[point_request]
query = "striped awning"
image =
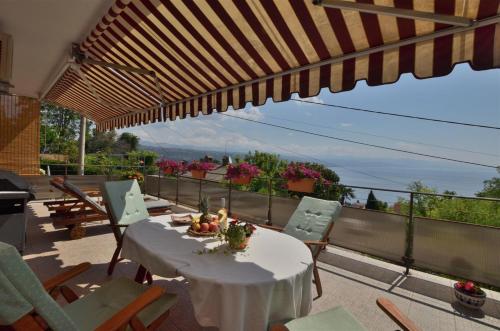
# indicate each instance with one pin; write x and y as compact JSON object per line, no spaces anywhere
{"x":155,"y":60}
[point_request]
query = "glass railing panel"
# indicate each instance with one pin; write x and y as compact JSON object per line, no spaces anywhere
{"x":465,"y":250}
{"x":372,"y":232}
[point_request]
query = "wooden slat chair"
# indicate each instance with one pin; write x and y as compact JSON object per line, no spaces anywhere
{"x":26,"y":304}
{"x":312,"y":223}
{"x":89,"y":210}
{"x":340,"y":319}
{"x":125,"y":206}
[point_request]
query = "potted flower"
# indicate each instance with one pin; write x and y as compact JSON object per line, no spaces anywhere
{"x":300,"y":178}
{"x":238,"y":234}
{"x":242,"y":173}
{"x":469,"y":294}
{"x":199,"y":169}
{"x":133,"y":174}
{"x":170,"y":167}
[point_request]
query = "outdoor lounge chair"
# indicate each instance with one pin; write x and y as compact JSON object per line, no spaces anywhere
{"x":312,"y":223}
{"x":125,"y":206}
{"x":27,"y":304}
{"x":84,"y":208}
{"x":340,"y":319}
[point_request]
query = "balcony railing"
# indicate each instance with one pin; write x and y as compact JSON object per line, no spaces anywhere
{"x":460,"y":249}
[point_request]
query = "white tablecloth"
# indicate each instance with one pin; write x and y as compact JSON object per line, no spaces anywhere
{"x":270,"y":281}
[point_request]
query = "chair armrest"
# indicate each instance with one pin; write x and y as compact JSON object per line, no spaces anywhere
{"x":271,"y":227}
{"x":278,"y":327}
{"x":54,"y":282}
{"x":396,"y":315}
{"x":118,"y":225}
{"x":124,"y":316}
{"x":315,"y":243}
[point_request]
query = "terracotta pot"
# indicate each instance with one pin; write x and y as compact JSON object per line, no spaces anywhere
{"x":470,"y":300}
{"x":305,"y":185}
{"x":168,"y":170}
{"x":198,"y":174}
{"x":243,"y":180}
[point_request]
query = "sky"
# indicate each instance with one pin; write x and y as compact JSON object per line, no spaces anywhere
{"x":464,"y":95}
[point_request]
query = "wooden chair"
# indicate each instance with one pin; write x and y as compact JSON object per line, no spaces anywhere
{"x":340,"y":319}
{"x":312,"y":223}
{"x":26,"y":304}
{"x":125,"y":206}
{"x":83,"y":208}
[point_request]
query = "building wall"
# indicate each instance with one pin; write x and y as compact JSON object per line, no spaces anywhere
{"x":20,"y":134}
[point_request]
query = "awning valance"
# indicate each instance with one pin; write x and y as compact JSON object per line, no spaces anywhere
{"x":170,"y":59}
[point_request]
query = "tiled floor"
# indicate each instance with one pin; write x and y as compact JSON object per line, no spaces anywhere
{"x":349,"y":279}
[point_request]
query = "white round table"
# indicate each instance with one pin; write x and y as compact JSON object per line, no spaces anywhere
{"x":269,"y":281}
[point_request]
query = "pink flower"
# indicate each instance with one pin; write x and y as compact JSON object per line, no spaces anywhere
{"x":205,"y":166}
{"x":296,"y":171}
{"x":242,"y":169}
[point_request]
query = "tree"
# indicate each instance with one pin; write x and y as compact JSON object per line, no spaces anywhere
{"x":491,"y":188}
{"x":371,"y":202}
{"x":98,"y":142}
{"x":423,"y":204}
{"x":374,"y":204}
{"x":59,"y":130}
{"x":270,"y":164}
{"x":127,"y":142}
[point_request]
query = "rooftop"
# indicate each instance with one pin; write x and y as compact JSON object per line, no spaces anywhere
{"x":349,"y":279}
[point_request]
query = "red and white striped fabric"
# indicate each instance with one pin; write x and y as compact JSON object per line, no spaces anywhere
{"x":209,"y":55}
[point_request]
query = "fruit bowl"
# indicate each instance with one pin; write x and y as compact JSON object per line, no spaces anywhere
{"x":201,"y":234}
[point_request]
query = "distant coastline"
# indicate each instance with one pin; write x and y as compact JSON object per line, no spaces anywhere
{"x":379,"y":173}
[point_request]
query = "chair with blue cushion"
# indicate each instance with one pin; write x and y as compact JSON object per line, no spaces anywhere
{"x":340,"y":319}
{"x":124,"y":205}
{"x":312,"y":223}
{"x":27,"y":304}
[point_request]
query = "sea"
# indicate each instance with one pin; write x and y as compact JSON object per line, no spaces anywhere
{"x":376,"y":173}
{"x":385,"y":174}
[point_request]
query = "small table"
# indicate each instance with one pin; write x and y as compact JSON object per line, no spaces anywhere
{"x":269,"y":281}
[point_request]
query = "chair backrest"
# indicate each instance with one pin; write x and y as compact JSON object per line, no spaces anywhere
{"x":84,"y":197}
{"x":21,"y":292}
{"x":124,"y":202}
{"x":313,"y":219}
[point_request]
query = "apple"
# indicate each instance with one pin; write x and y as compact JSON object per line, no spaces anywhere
{"x":204,"y":227}
{"x":213,"y":227}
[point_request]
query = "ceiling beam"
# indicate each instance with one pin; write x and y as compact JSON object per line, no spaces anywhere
{"x":398,"y":12}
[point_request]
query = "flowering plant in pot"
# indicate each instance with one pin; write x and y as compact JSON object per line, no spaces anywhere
{"x":242,"y":173}
{"x":199,"y":169}
{"x":170,"y":167}
{"x":469,"y":294}
{"x":300,"y":178}
{"x":238,"y":234}
{"x":133,"y":174}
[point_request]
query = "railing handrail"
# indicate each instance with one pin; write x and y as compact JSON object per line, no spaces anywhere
{"x":274,"y":178}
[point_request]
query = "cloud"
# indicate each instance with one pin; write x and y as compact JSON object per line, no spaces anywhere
{"x":252,"y":113}
{"x":315,"y":99}
{"x":345,"y":125}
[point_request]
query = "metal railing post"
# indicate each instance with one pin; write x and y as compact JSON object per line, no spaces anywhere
{"x":177,"y":190}
{"x":408,"y":257}
{"x":145,"y":175}
{"x":270,"y":202}
{"x":199,"y":197}
{"x":230,"y":189}
{"x":159,"y":181}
